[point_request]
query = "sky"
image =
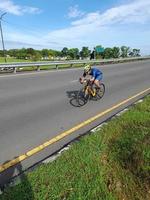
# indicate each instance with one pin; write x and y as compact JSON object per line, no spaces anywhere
{"x":55,"y":24}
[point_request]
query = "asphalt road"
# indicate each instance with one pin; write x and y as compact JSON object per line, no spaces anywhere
{"x":36,"y":107}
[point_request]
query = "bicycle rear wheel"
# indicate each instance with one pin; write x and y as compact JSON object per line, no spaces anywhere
{"x":82,"y":98}
{"x":100,"y":91}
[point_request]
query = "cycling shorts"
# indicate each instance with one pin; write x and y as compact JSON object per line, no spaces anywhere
{"x":99,"y":77}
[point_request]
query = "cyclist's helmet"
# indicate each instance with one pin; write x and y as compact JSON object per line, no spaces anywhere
{"x":87,"y":68}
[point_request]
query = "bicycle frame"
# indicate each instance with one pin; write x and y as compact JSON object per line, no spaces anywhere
{"x":87,"y":91}
{"x":88,"y":88}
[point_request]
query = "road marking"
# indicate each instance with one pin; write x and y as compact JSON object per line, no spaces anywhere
{"x":37,"y":73}
{"x":74,"y":81}
{"x":66,"y":133}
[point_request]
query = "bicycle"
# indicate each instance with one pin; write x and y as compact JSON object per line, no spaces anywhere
{"x":88,"y":91}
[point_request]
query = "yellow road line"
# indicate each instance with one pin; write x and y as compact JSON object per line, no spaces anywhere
{"x":66,"y":133}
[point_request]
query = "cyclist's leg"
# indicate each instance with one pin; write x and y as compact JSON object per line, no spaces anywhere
{"x":101,"y":90}
{"x":97,"y":81}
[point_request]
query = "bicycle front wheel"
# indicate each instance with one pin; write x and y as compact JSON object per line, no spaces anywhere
{"x":82,"y":98}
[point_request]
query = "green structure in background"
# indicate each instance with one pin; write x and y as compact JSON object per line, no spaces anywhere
{"x":99,"y":49}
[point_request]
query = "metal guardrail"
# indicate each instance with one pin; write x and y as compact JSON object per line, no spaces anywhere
{"x":15,"y":65}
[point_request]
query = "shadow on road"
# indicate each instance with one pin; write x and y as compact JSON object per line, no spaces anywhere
{"x":80,"y":101}
{"x":72,"y":95}
{"x":8,"y":178}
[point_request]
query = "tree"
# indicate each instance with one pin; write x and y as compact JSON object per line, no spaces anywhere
{"x":51,"y":53}
{"x":85,"y":52}
{"x":108,"y":53}
{"x":45,"y":53}
{"x":116,"y":52}
{"x":30,"y":53}
{"x":37,"y":56}
{"x":136,"y":52}
{"x":12,"y":52}
{"x":22,"y":53}
{"x":19,"y":53}
{"x":73,"y":53}
{"x":131,"y":54}
{"x":1,"y":53}
{"x":57,"y":53}
{"x":125,"y":51}
{"x":64,"y":52}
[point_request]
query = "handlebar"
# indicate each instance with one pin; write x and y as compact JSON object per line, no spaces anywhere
{"x":87,"y":81}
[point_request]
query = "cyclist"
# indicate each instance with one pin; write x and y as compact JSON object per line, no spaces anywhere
{"x":96,"y":75}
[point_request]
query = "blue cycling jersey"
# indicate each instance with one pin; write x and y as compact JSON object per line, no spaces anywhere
{"x":94,"y":73}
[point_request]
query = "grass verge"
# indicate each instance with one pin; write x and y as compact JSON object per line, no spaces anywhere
{"x":112,"y":163}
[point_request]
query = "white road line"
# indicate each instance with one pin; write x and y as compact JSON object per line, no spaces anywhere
{"x":74,"y":81}
{"x":36,"y":73}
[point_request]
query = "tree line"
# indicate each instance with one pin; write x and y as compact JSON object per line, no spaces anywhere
{"x":72,"y":53}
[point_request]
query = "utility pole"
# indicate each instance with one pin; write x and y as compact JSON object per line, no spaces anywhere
{"x":2,"y":35}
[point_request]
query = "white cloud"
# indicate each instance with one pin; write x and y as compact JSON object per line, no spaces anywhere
{"x":95,"y":26}
{"x":136,"y":12}
{"x":75,"y":12}
{"x":16,"y":39}
{"x":10,"y":7}
{"x":100,"y":28}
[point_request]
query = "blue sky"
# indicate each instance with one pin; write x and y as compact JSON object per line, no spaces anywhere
{"x":76,"y":23}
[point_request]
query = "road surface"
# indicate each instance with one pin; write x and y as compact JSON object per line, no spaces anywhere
{"x":35,"y":107}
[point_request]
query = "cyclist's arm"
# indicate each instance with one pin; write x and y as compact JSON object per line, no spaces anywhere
{"x":81,"y":79}
{"x":93,"y":77}
{"x":84,"y":74}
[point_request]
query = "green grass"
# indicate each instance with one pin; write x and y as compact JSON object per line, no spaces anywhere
{"x":2,"y":60}
{"x":34,"y":68}
{"x":48,"y":67}
{"x":110,"y":164}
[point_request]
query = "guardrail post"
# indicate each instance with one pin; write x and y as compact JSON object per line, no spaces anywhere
{"x":38,"y":68}
{"x":15,"y":70}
